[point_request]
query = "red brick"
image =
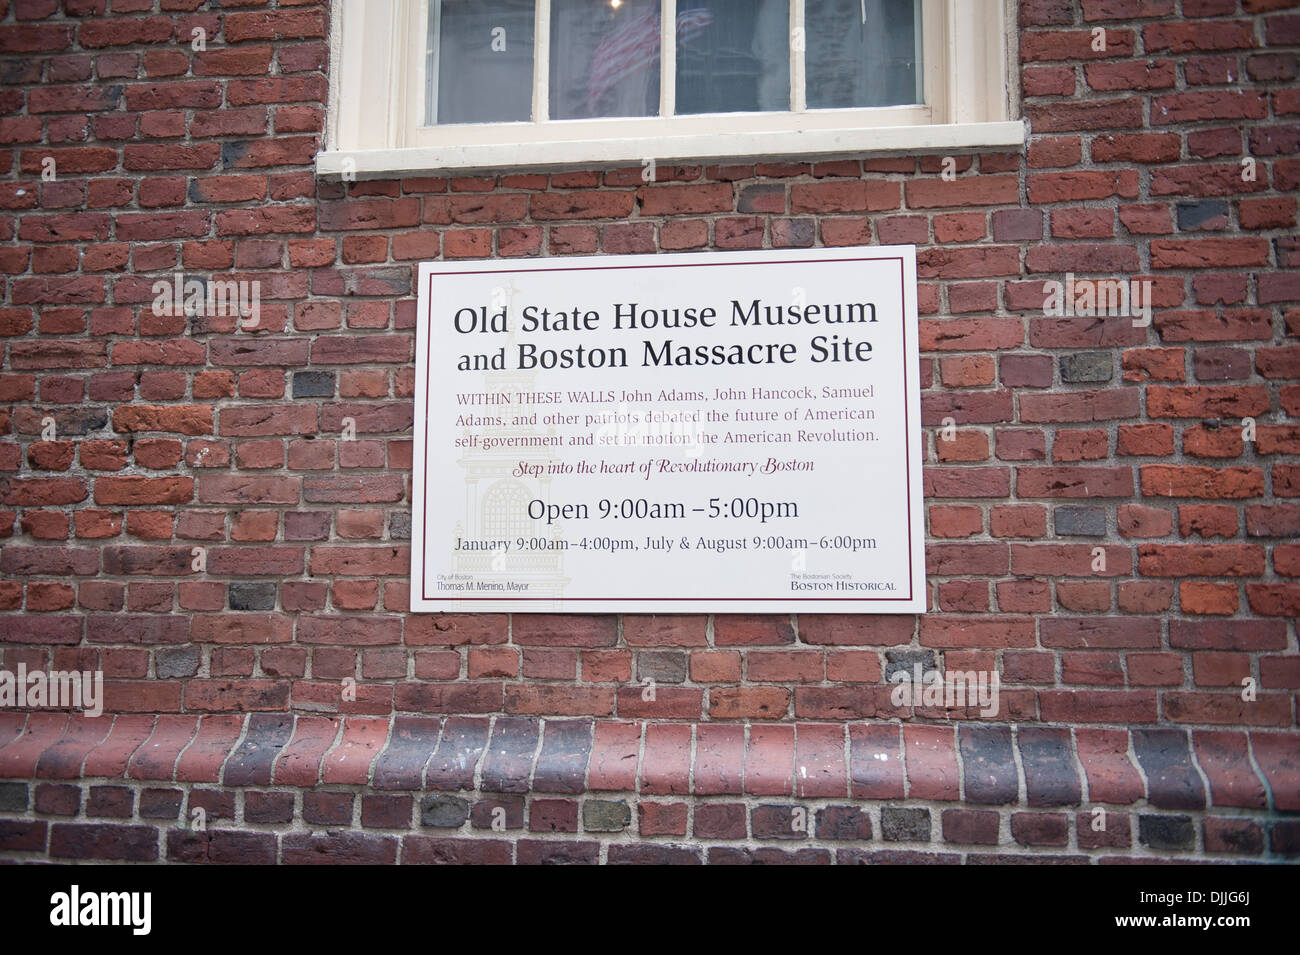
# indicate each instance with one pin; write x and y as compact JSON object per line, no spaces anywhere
{"x":931,"y":756}
{"x":613,"y":761}
{"x":1155,"y":669}
{"x":1112,"y":777}
{"x":769,"y":761}
{"x":666,"y":765}
{"x":1201,"y":482}
{"x":662,"y":819}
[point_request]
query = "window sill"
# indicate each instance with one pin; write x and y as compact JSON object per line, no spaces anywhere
{"x":687,"y":148}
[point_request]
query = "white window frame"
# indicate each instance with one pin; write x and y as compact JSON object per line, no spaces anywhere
{"x":378,"y":85}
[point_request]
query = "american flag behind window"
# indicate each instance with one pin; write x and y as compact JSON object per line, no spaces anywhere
{"x":633,"y":48}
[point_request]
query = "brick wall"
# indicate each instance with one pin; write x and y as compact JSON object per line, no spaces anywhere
{"x":1122,"y":681}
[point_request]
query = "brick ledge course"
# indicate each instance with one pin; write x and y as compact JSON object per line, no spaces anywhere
{"x":328,"y":789}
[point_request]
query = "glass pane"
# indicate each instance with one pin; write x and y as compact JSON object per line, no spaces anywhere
{"x":733,"y":56}
{"x":863,"y":53}
{"x":604,"y":58}
{"x":481,"y":61}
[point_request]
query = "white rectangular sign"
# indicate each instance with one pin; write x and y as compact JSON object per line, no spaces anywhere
{"x":730,"y":432}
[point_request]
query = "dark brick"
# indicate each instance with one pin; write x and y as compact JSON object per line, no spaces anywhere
{"x":251,"y":763}
{"x":459,"y":750}
{"x":249,"y":595}
{"x":989,"y":765}
{"x":177,"y":662}
{"x":313,"y":384}
{"x":562,"y":763}
{"x":509,"y":759}
{"x":843,"y":822}
{"x":905,"y":661}
{"x":1166,"y":758}
{"x":401,"y":764}
{"x":1088,"y":366}
{"x":606,"y":815}
{"x":1202,"y":214}
{"x":904,"y":825}
{"x":662,"y":666}
{"x":13,"y":797}
{"x":1051,"y":778}
{"x":443,"y":811}
{"x":1072,"y":521}
{"x":1284,"y":837}
{"x":1166,"y":832}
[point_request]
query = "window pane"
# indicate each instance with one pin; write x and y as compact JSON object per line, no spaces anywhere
{"x":481,"y":55}
{"x":733,"y":56}
{"x":862,"y":53}
{"x":604,"y":58}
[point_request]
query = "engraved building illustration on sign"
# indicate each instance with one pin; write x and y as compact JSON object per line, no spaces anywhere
{"x":496,"y":501}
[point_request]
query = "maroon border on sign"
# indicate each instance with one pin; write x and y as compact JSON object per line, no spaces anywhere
{"x":907,"y":444}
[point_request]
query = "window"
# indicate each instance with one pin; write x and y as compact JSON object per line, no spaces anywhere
{"x":505,"y":511}
{"x":490,"y":84}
